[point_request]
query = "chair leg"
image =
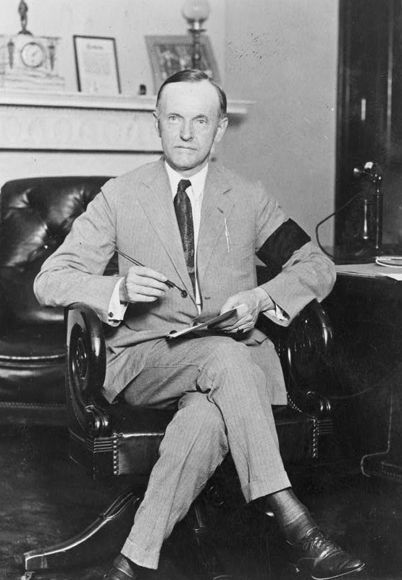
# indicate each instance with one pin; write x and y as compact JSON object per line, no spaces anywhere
{"x":100,"y":540}
{"x":207,"y":553}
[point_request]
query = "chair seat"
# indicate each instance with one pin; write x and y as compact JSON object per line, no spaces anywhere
{"x":138,"y":439}
{"x":133,"y":443}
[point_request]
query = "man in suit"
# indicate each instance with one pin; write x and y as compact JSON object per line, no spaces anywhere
{"x":198,"y":225}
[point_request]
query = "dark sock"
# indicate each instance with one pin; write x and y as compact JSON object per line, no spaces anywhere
{"x":123,"y":563}
{"x":291,"y":514}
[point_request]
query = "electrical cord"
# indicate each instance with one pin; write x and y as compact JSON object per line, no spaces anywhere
{"x":334,"y":213}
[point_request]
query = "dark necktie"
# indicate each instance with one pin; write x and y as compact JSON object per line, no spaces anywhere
{"x":184,"y":215}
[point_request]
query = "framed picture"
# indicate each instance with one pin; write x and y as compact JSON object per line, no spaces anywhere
{"x":97,"y":66}
{"x":169,"y":54}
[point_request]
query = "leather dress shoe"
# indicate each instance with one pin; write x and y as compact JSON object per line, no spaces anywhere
{"x":322,"y":558}
{"x":122,"y":569}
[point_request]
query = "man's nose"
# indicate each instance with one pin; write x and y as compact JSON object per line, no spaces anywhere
{"x":186,"y":132}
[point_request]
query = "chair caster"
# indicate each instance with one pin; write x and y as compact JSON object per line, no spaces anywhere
{"x":28,"y":576}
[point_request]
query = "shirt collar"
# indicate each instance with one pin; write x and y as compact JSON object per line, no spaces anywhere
{"x":197,"y":180}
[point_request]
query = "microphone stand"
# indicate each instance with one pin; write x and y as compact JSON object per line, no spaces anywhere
{"x":378,"y":202}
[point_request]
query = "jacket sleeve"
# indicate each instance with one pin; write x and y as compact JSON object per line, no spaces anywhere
{"x":301,"y":271}
{"x":74,"y":272}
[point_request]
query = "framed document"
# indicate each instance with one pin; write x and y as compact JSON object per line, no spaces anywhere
{"x":169,"y":54}
{"x":97,"y":66}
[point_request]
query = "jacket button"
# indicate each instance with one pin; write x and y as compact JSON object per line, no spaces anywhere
{"x":110,"y":315}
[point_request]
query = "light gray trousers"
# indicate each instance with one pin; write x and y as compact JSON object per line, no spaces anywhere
{"x":223,"y":394}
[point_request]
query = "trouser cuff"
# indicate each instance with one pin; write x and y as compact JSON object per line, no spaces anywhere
{"x":258,"y":488}
{"x":140,"y":556}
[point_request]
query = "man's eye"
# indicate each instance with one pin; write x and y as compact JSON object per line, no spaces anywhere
{"x":202,"y":121}
{"x":173,"y":118}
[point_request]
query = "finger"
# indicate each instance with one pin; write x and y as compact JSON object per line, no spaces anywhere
{"x":146,"y":272}
{"x":238,"y":331}
{"x":230,"y":303}
{"x":142,"y":298}
{"x":233,"y":329}
{"x":244,"y":324}
{"x":139,"y":293}
{"x":134,"y":288}
{"x":231,"y":324}
{"x":146,"y":291}
{"x":233,"y":320}
{"x":242,"y":310}
{"x":145,"y":282}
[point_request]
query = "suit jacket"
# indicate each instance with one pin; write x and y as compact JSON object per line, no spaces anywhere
{"x":135,"y":213}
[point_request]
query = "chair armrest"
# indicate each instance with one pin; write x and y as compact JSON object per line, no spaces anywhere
{"x":304,"y":347}
{"x":308,"y":353}
{"x":86,"y":368}
{"x":305,"y":350}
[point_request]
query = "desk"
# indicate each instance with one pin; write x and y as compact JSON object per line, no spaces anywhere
{"x":365,"y":379}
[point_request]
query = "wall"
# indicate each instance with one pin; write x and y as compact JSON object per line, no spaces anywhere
{"x":284,"y":57}
{"x":280,"y":54}
{"x":126,"y":20}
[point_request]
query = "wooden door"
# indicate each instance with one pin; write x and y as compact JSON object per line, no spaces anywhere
{"x":369,"y":125}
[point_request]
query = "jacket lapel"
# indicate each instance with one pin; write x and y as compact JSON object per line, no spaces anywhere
{"x":157,"y":204}
{"x":216,"y":207}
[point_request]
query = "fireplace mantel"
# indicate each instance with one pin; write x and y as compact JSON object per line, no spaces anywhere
{"x":82,"y":122}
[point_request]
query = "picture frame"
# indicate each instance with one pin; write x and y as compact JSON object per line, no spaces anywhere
{"x":169,"y":54}
{"x":96,"y":65}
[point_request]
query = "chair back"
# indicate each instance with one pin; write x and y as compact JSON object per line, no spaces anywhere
{"x":36,"y":214}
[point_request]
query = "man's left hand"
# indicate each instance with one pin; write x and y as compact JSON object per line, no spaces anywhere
{"x":249,"y":304}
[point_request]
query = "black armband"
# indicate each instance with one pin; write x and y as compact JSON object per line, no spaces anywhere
{"x":280,"y":246}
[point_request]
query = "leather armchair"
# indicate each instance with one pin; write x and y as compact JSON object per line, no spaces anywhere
{"x":35,"y":216}
{"x":115,"y":440}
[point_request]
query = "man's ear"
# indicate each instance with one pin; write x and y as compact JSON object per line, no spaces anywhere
{"x":156,"y":123}
{"x":221,"y":130}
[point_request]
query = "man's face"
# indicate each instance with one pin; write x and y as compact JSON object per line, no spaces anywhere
{"x":188,"y":122}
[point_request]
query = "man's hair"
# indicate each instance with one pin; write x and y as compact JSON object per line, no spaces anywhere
{"x":190,"y":75}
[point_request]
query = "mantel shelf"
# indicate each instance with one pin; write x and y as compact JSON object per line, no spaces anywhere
{"x":87,"y":101}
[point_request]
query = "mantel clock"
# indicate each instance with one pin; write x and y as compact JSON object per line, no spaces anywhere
{"x":28,"y":61}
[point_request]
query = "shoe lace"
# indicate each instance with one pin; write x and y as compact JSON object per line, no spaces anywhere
{"x":318,"y":544}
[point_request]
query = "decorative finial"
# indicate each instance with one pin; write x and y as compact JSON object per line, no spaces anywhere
{"x":23,"y":11}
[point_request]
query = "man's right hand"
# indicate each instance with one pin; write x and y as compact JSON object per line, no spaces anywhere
{"x":142,"y":284}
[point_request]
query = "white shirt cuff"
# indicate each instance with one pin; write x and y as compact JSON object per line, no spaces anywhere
{"x":279,"y":313}
{"x":116,"y":309}
{"x":271,"y":308}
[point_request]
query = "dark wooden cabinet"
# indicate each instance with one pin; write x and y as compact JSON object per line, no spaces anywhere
{"x":364,"y":379}
{"x":369,"y":120}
